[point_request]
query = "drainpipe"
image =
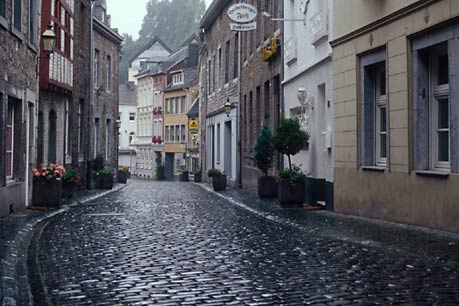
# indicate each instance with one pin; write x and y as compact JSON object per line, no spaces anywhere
{"x":90,"y":96}
{"x":238,"y":113}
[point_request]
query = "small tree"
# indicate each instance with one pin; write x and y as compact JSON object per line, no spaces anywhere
{"x":264,"y":150}
{"x":289,"y":138}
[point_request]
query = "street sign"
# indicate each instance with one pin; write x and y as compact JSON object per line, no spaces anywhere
{"x":193,"y":124}
{"x":242,"y":27}
{"x":242,"y":12}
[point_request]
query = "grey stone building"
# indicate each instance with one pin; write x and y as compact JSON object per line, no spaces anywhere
{"x":227,"y":140}
{"x":106,"y":54}
{"x":19,"y":41}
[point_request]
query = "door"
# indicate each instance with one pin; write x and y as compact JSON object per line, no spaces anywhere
{"x":169,"y":166}
{"x":228,"y":154}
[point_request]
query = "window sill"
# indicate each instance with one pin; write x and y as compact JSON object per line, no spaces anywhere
{"x":3,"y":22}
{"x":433,"y":173}
{"x":374,"y":168}
{"x":17,"y":33}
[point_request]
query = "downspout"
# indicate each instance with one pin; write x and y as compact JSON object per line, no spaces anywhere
{"x":238,"y":113}
{"x":90,"y":96}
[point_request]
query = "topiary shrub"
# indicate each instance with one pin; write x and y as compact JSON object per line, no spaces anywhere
{"x":289,"y":139}
{"x":264,"y":150}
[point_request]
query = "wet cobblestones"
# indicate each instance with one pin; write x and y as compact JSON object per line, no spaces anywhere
{"x":160,"y":243}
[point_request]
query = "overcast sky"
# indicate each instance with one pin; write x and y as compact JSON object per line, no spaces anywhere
{"x":127,"y":15}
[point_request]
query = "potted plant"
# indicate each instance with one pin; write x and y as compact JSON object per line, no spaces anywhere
{"x":104,"y":179}
{"x":123,"y":174}
{"x":198,"y":176}
{"x":160,"y":172}
{"x":47,"y":185}
{"x":289,"y":140}
{"x":70,"y":183}
{"x":184,"y":177}
{"x":264,"y":158}
{"x":218,"y":179}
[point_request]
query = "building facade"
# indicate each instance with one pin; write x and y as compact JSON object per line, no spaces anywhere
{"x":20,"y":44}
{"x":396,"y":98}
{"x":178,"y":97}
{"x":127,"y":119}
{"x":219,"y":84}
{"x":308,"y":90}
{"x":56,"y":85}
{"x":105,"y":98}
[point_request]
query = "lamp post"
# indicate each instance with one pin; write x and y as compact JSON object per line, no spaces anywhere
{"x":48,"y":39}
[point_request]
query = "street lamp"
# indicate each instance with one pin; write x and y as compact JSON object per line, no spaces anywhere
{"x":49,"y":40}
{"x":302,"y":94}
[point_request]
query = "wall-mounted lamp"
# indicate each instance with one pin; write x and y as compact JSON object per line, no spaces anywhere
{"x":228,"y":107}
{"x":307,"y":103}
{"x":268,"y":15}
{"x":49,"y":40}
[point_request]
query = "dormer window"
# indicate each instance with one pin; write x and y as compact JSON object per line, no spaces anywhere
{"x":177,"y":78}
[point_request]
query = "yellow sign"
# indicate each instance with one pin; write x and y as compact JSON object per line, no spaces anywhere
{"x":268,"y":52}
{"x":193,"y":124}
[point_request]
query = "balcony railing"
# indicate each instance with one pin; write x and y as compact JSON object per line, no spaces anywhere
{"x":319,"y":26}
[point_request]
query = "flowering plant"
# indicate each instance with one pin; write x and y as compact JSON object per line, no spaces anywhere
{"x":71,"y":176}
{"x":50,"y":171}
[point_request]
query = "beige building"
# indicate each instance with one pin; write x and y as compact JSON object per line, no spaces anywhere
{"x":396,"y":110}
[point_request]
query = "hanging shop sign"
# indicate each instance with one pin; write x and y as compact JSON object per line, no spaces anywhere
{"x":242,"y":12}
{"x":243,"y":27}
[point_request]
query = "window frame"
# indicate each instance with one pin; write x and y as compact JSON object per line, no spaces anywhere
{"x":9,"y":125}
{"x":132,"y":115}
{"x":380,"y":103}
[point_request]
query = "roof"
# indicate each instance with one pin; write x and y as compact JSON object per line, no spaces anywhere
{"x":214,"y":10}
{"x":189,"y":75}
{"x":127,"y":94}
{"x":148,"y":45}
{"x":189,"y":40}
{"x":194,"y":109}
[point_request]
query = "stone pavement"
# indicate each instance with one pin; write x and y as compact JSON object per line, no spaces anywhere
{"x":170,"y":243}
{"x":15,"y":233}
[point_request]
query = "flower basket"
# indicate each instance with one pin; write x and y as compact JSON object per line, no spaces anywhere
{"x":184,"y":177}
{"x":122,"y":176}
{"x":291,"y":195}
{"x":104,"y":180}
{"x":46,"y":192}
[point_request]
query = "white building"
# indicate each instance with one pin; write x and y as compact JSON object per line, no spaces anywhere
{"x":308,"y":89}
{"x":155,"y":48}
{"x":128,"y":126}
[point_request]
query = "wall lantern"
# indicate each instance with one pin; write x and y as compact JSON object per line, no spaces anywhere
{"x":228,"y":107}
{"x":302,"y":94}
{"x":49,"y":40}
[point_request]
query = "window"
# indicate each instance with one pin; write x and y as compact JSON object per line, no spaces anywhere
{"x":119,"y":116}
{"x":214,"y":74}
{"x":172,"y":133}
{"x":435,"y":81}
{"x":183,"y":133}
{"x":219,"y":67}
{"x":67,"y":127}
{"x":210,"y":76}
{"x":80,"y":125}
{"x":177,"y":133}
{"x":131,"y":136}
{"x":177,"y":105}
{"x":267,"y":21}
{"x":10,"y":139}
{"x":108,"y":139}
{"x":168,"y":133}
{"x":374,"y":135}
{"x":177,"y":78}
{"x":3,"y":8}
{"x":131,"y":116}
{"x":52,"y":136}
{"x":109,"y":73}
{"x":96,"y":68}
{"x":32,"y":22}
{"x":227,"y":58}
{"x":96,"y":136}
{"x":218,"y":143}
{"x":182,"y":104}
{"x":17,"y":15}
{"x":235,"y":56}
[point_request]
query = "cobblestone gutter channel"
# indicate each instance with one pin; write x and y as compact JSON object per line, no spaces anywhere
{"x":15,"y":284}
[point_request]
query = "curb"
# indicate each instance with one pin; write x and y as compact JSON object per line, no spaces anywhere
{"x":14,"y":281}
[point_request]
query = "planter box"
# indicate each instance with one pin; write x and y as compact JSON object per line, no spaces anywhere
{"x":219,"y":182}
{"x":104,"y":181}
{"x":183,"y":177}
{"x":122,"y":177}
{"x":291,"y":196}
{"x":46,"y":193}
{"x":267,"y":187}
{"x":198,"y":178}
{"x":68,"y":189}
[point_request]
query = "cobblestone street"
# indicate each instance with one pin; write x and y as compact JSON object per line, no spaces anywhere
{"x":170,"y":243}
